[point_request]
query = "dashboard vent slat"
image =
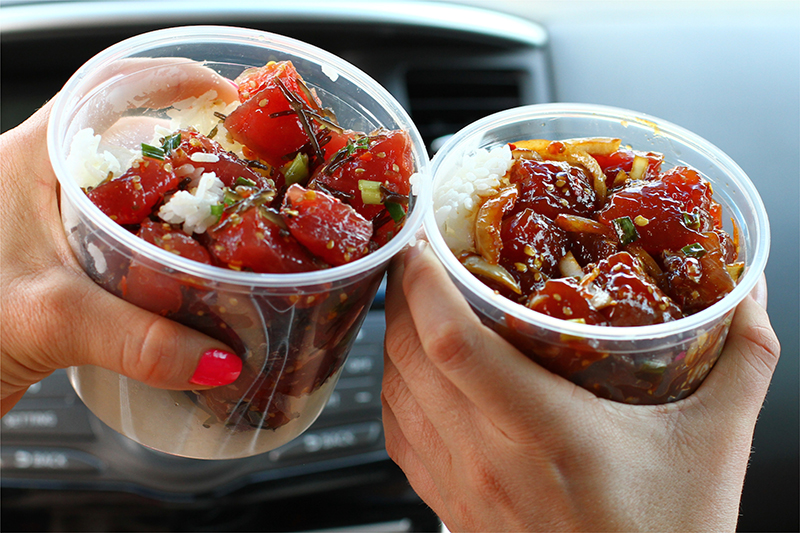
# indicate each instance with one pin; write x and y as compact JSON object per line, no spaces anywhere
{"x":442,"y":101}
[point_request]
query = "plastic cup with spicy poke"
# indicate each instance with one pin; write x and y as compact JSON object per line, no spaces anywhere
{"x":247,"y":185}
{"x":609,"y":246}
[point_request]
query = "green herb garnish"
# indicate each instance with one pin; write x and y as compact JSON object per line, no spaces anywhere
{"x":153,"y":152}
{"x":691,"y":220}
{"x":170,"y":142}
{"x":361,"y":143}
{"x":694,"y":250}
{"x":297,"y":170}
{"x":217,"y":210}
{"x":370,"y":192}
{"x":626,"y":230}
{"x":244,"y":181}
{"x":396,"y":211}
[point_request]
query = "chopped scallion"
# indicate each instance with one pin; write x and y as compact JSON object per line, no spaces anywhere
{"x":691,"y":220}
{"x":244,"y":181}
{"x":694,"y":250}
{"x":297,"y":170}
{"x":626,"y":230}
{"x":396,"y":211}
{"x":217,"y":210}
{"x":152,"y":151}
{"x":370,"y":191}
{"x":170,"y":142}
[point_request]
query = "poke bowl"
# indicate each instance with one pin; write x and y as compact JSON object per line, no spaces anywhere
{"x":609,"y":246}
{"x":247,"y":185}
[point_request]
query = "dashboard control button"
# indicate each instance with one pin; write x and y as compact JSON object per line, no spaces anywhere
{"x":341,"y":439}
{"x":40,"y":460}
{"x":72,"y":422}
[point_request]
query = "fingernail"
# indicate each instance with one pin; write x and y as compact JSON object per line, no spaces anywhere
{"x":217,"y":367}
{"x":416,"y":250}
{"x":233,"y":83}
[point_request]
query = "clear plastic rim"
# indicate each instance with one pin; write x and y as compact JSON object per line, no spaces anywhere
{"x":59,"y":122}
{"x":709,"y":315}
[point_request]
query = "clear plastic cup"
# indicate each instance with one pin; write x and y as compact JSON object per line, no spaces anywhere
{"x":645,"y":364}
{"x":293,"y":331}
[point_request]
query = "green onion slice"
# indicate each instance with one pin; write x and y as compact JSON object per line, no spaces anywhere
{"x":691,"y":220}
{"x":170,"y":142}
{"x":152,"y":151}
{"x":370,"y":192}
{"x":626,"y":230}
{"x":396,"y":211}
{"x":217,"y":210}
{"x":694,"y":250}
{"x":244,"y":181}
{"x":297,"y":170}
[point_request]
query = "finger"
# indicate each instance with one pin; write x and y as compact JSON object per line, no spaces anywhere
{"x":443,"y":405}
{"x":412,"y":421}
{"x":160,"y":82}
{"x":71,"y":321}
{"x":129,"y":132}
{"x":744,"y":370}
{"x":403,"y":454}
{"x":154,"y":83}
{"x":504,"y":384}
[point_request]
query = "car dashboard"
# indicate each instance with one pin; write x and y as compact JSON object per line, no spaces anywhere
{"x":448,"y":64}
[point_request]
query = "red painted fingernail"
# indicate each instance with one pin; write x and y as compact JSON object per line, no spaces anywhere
{"x":217,"y":367}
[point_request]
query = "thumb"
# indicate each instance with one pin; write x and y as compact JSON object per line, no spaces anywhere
{"x":744,"y":370}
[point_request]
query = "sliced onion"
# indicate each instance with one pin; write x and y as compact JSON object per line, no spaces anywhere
{"x":488,"y":223}
{"x":578,"y":224}
{"x":570,"y":267}
{"x":480,"y":267}
{"x":638,"y":167}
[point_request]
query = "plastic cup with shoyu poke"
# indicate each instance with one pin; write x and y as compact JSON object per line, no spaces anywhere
{"x":247,"y":185}
{"x":609,"y":246}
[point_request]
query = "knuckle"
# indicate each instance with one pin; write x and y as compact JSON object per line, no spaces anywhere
{"x":148,"y":352}
{"x":766,"y":349}
{"x":452,"y":344}
{"x":401,"y":341}
{"x":485,"y":479}
{"x":43,"y":306}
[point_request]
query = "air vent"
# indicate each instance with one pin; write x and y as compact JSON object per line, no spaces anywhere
{"x":443,"y":101}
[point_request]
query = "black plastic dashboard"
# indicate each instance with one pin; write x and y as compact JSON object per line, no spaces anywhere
{"x":448,"y":64}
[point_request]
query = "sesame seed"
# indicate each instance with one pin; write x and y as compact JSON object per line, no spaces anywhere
{"x":641,"y":221}
{"x":263,"y":102}
{"x":330,"y":244}
{"x":522,"y":267}
{"x":557,"y":297}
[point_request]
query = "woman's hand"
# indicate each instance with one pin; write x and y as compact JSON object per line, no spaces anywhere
{"x":53,"y":316}
{"x":492,"y":441}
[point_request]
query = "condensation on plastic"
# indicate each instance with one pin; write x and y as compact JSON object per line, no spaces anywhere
{"x":293,"y":331}
{"x":646,"y":364}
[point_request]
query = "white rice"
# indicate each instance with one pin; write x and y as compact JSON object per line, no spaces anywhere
{"x":459,"y":194}
{"x":193,"y":209}
{"x":88,"y":164}
{"x":198,"y":113}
